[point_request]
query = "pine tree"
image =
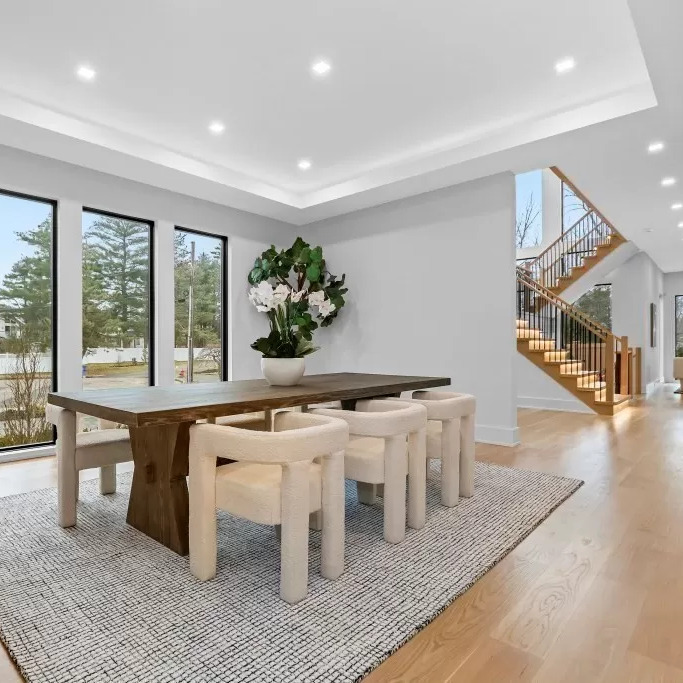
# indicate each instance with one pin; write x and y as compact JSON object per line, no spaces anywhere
{"x":121,"y":251}
{"x":26,"y":292}
{"x":95,"y":313}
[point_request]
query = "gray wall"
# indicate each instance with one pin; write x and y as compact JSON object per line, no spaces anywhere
{"x":432,"y":283}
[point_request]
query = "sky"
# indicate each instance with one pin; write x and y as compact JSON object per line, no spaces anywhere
{"x":17,"y":215}
{"x":526,"y":183}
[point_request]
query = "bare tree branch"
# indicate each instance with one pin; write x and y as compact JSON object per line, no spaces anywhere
{"x":526,"y":222}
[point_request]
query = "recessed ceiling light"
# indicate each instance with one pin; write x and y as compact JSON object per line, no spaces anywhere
{"x":677,"y":206}
{"x":680,"y":225}
{"x":86,"y":73}
{"x":321,"y":67}
{"x":648,"y":229}
{"x":304,"y":164}
{"x":565,"y":65}
{"x":216,"y":127}
{"x":668,"y":182}
{"x":655,"y":147}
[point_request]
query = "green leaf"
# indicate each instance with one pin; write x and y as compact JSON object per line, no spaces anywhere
{"x":255,"y":276}
{"x":313,"y":272}
{"x":317,"y":255}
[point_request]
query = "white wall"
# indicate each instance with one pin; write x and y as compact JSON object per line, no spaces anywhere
{"x":74,"y":187}
{"x":431,"y":292}
{"x":673,"y":285}
{"x":535,"y":389}
{"x":635,"y":285}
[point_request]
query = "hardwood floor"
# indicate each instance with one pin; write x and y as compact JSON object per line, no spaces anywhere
{"x":594,"y":594}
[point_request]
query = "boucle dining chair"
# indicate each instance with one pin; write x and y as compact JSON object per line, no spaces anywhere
{"x":450,"y":438}
{"x":378,"y":454}
{"x":103,"y":448}
{"x":274,"y":481}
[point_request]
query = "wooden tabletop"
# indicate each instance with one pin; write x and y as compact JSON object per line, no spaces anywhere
{"x":143,"y":406}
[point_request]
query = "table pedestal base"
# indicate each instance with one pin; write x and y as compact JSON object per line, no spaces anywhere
{"x":159,"y":503}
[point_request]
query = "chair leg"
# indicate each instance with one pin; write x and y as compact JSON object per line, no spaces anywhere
{"x":450,"y":462}
{"x":202,"y":500}
{"x":394,"y":489}
{"x":332,"y":559}
{"x":417,"y":479}
{"x":366,"y":493}
{"x":108,"y":479}
{"x":67,"y":474}
{"x":294,"y":545}
{"x":467,"y":452}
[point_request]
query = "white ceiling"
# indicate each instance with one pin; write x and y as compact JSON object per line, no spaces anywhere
{"x":420,"y":95}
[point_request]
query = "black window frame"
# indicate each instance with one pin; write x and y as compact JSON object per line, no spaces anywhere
{"x":224,"y":293}
{"x":676,"y":297}
{"x":53,"y":313}
{"x":152,"y":351}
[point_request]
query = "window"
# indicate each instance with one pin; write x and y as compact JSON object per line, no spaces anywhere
{"x":678,"y":324}
{"x":573,"y":207}
{"x":597,"y":303}
{"x":27,"y":318}
{"x":199,"y":307}
{"x":117,"y":301}
{"x":529,"y":223}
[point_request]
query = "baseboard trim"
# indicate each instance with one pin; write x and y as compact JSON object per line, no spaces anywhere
{"x":563,"y":405}
{"x":497,"y":436}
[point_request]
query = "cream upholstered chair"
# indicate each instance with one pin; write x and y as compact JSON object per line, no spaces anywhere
{"x":378,"y":455}
{"x":678,"y":374}
{"x":103,"y":448}
{"x":276,"y":482}
{"x":450,"y":438}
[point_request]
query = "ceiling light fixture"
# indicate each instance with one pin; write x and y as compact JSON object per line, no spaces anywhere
{"x":304,"y":164}
{"x":648,"y":229}
{"x":680,"y":225}
{"x":216,"y":127}
{"x":86,"y":73}
{"x":321,"y":68}
{"x":565,"y":65}
{"x":668,"y":182}
{"x":677,"y":206}
{"x":655,"y":147}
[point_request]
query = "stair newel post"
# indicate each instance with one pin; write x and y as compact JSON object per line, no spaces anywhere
{"x":623,"y":367}
{"x":609,"y":367}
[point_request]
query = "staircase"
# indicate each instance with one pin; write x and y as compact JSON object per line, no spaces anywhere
{"x":579,"y":353}
{"x":577,"y":250}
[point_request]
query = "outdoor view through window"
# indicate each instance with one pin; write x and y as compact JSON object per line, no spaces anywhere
{"x":26,"y":324}
{"x":199,"y":262}
{"x":116,"y":301}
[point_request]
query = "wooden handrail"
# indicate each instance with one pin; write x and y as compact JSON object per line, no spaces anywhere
{"x":561,"y":237}
{"x":573,"y":312}
{"x":573,"y":246}
{"x":563,"y":177}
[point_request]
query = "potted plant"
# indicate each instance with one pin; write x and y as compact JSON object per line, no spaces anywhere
{"x":298,"y":294}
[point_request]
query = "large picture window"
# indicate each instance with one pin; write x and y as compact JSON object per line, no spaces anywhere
{"x":199,"y":307}
{"x":27,"y":319}
{"x":597,"y":303}
{"x":529,"y":222}
{"x":117,"y":301}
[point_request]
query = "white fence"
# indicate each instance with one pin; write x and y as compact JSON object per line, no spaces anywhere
{"x":8,"y":361}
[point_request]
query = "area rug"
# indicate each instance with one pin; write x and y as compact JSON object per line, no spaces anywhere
{"x":102,"y":602}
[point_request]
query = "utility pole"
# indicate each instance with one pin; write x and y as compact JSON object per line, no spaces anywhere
{"x":190,"y":319}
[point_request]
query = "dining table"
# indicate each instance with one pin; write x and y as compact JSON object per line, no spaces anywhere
{"x":159,"y":420}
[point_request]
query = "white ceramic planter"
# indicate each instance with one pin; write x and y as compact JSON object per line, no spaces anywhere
{"x":283,"y":372}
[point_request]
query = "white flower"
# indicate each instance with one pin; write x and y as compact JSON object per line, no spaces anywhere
{"x":325,"y":308}
{"x":262,"y":297}
{"x":280,"y":294}
{"x":316,"y":298}
{"x":296,"y":296}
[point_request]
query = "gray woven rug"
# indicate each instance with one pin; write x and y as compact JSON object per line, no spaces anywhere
{"x":102,"y":602}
